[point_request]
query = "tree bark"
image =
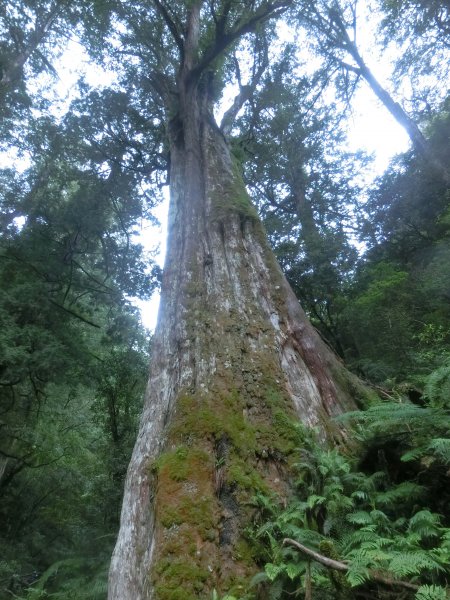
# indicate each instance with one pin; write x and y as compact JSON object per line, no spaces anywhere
{"x":234,"y":362}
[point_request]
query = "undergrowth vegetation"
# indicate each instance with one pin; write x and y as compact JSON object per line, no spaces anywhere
{"x":381,"y":516}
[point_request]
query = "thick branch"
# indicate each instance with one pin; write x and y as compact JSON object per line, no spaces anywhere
{"x":349,"y":67}
{"x":222,"y":21}
{"x":245,"y":93}
{"x":418,"y":140}
{"x":323,"y":560}
{"x":222,"y":42}
{"x":192,"y":36}
{"x":36,"y":37}
{"x":171,"y":25}
{"x":340,"y":566}
{"x":229,"y":117}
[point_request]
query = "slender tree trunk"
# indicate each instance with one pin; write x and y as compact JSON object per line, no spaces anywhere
{"x":235,"y":362}
{"x":418,"y":140}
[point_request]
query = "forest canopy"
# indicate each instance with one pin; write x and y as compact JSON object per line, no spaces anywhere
{"x":246,"y":106}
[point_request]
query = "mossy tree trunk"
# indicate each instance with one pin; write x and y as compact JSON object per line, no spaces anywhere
{"x":235,"y":363}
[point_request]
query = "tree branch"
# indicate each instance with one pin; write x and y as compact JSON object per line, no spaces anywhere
{"x":221,"y":43}
{"x":347,"y":66}
{"x":74,"y":314}
{"x":341,"y":566}
{"x":323,"y":560}
{"x":245,"y":92}
{"x":171,"y":25}
{"x":41,"y":29}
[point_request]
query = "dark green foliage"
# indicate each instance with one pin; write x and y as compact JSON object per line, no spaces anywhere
{"x":73,"y":356}
{"x":376,"y":521}
{"x":70,"y":395}
{"x":395,"y":324}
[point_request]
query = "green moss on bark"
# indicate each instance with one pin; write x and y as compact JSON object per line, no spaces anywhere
{"x":233,"y":198}
{"x":188,"y":497}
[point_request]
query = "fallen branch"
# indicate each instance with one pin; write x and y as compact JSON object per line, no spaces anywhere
{"x":341,"y":566}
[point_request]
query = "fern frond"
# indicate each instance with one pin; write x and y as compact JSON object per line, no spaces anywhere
{"x":413,"y":454}
{"x":437,"y":387}
{"x":431,"y":592}
{"x":357,"y":576}
{"x":413,"y":563}
{"x":405,"y":491}
{"x":441,"y":448}
{"x":360,"y":518}
{"x":273,"y":571}
{"x":425,"y":524}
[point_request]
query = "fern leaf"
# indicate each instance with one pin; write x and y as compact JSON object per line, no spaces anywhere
{"x":360,"y":518}
{"x":413,"y":563}
{"x":404,"y":491}
{"x":293,"y":571}
{"x":272,"y":571}
{"x":357,"y":576}
{"x":441,"y":448}
{"x":431,"y":592}
{"x":425,"y":524}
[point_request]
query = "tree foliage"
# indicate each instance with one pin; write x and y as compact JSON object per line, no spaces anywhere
{"x":77,"y":184}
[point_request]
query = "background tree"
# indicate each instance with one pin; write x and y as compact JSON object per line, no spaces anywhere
{"x":302,"y":186}
{"x":422,"y":29}
{"x":334,"y":26}
{"x":402,"y":283}
{"x":71,"y":348}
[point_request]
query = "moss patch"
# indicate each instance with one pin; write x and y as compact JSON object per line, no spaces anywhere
{"x":180,"y":579}
{"x":258,"y":435}
{"x":183,"y":496}
{"x":233,"y":198}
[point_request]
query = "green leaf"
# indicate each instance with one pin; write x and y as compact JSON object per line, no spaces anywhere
{"x":272,"y":571}
{"x":315,"y":500}
{"x":360,"y":518}
{"x":294,"y":570}
{"x":431,"y":592}
{"x":357,"y":576}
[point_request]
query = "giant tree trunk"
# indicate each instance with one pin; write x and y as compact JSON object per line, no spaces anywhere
{"x":235,"y":362}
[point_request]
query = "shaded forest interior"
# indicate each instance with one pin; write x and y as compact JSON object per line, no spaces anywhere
{"x":368,"y":262}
